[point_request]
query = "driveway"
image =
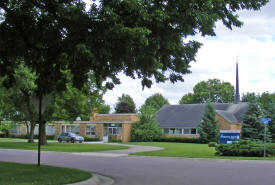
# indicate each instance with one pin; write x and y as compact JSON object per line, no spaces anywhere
{"x":133,"y":170}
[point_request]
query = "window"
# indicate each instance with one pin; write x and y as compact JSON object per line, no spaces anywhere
{"x":90,"y":130}
{"x":166,"y":130}
{"x":187,"y":131}
{"x":193,"y":131}
{"x":50,"y":129}
{"x":171,"y":131}
{"x":178,"y":131}
{"x":70,"y":128}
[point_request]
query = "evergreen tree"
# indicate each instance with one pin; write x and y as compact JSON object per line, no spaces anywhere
{"x":125,"y":104}
{"x":208,"y":128}
{"x":271,"y":124}
{"x":252,"y":127}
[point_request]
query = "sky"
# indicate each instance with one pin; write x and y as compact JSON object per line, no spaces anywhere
{"x":252,"y":45}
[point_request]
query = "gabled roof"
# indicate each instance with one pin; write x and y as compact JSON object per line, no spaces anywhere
{"x":190,"y":115}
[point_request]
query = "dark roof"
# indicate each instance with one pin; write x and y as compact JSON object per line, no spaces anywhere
{"x":190,"y":115}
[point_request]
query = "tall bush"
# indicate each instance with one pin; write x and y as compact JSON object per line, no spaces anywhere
{"x":146,"y":129}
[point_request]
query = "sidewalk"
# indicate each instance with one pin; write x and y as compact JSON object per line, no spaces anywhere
{"x":119,"y":153}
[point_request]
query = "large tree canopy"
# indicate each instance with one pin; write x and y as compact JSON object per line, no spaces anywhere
{"x":212,"y":90}
{"x":156,"y":101}
{"x":142,"y":38}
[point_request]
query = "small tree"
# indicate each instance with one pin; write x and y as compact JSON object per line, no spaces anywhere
{"x":252,"y":128}
{"x":146,"y":129}
{"x":208,"y":128}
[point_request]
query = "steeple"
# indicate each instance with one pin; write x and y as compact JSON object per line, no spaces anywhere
{"x":237,"y":94}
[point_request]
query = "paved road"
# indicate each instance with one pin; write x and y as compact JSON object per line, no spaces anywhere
{"x":157,"y":171}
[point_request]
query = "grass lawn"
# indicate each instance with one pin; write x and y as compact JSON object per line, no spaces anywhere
{"x":188,"y":150}
{"x":60,"y":147}
{"x":25,"y":174}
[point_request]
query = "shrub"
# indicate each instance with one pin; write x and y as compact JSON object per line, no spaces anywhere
{"x":115,"y":141}
{"x":245,"y":148}
{"x":146,"y":129}
{"x":90,"y":138}
{"x":212,"y":144}
{"x":177,"y":139}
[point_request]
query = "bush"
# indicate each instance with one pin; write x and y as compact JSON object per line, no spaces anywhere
{"x":212,"y":144}
{"x":177,"y":140}
{"x":146,"y":129}
{"x":90,"y":138}
{"x":115,"y":141}
{"x":245,"y":148}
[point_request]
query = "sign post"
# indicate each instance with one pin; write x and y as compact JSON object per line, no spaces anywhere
{"x":265,"y":121}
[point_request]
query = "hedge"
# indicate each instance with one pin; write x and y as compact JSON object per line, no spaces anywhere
{"x":245,"y":148}
{"x":177,"y":139}
{"x":91,"y":139}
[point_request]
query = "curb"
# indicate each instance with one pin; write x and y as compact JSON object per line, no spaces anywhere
{"x":96,"y":180}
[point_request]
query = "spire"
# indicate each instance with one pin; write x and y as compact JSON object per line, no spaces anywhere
{"x":237,"y":94}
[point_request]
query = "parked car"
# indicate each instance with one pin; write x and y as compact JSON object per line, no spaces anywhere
{"x":69,"y":137}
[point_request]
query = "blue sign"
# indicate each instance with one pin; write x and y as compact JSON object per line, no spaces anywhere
{"x":229,"y":136}
{"x":265,"y":120}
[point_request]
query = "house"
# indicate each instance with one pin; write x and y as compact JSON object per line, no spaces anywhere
{"x":183,"y":120}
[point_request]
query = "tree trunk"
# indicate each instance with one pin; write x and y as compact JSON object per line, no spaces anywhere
{"x":30,"y":140}
{"x":28,"y":130}
{"x":43,"y":134}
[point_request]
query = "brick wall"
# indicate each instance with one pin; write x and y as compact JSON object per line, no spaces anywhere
{"x":126,"y":131}
{"x":99,"y":130}
{"x":114,"y":117}
{"x":82,"y":129}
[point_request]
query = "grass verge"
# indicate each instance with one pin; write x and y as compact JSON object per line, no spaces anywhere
{"x":26,"y":174}
{"x":188,"y":150}
{"x":61,"y":147}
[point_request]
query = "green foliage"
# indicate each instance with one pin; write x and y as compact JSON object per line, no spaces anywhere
{"x":177,"y":140}
{"x":188,"y":99}
{"x":156,"y":101}
{"x":5,"y":129}
{"x":124,"y":107}
{"x":244,"y":148}
{"x":250,"y":97}
{"x":271,"y":124}
{"x":128,"y":99}
{"x":146,"y":129}
{"x":208,"y":128}
{"x":140,"y":38}
{"x":90,"y":138}
{"x":212,"y":90}
{"x":125,"y":104}
{"x":212,"y":144}
{"x":252,"y":128}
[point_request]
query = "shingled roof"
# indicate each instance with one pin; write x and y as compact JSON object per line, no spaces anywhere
{"x":190,"y":115}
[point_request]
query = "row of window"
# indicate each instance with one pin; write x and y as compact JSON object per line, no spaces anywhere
{"x":180,"y":131}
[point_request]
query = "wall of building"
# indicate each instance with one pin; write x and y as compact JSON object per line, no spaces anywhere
{"x":114,"y":117}
{"x":223,"y":124}
{"x":126,"y":132}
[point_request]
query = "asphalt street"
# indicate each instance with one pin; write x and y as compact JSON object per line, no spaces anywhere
{"x":132,"y":170}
